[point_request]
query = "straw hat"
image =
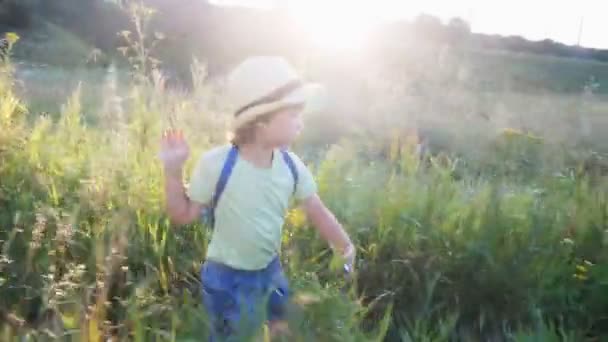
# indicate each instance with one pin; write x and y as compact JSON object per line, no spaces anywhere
{"x":262,"y":84}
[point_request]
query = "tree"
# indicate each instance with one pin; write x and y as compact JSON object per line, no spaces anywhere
{"x":15,"y":14}
{"x":429,"y":26}
{"x":458,"y":30}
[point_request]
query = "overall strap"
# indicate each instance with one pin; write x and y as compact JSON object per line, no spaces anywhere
{"x":223,"y":179}
{"x":227,"y":170}
{"x":292,"y":167}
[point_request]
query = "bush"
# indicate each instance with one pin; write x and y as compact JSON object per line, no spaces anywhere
{"x":14,"y":14}
{"x":446,"y":252}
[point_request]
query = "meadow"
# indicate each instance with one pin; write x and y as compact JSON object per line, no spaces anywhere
{"x":499,"y":233}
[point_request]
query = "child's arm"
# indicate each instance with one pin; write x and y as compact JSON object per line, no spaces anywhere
{"x":174,"y":153}
{"x":329,"y":227}
{"x":180,"y":208}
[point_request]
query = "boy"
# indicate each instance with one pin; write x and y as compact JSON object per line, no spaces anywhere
{"x":242,"y":267}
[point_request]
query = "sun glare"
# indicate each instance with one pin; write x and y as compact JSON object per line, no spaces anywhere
{"x":335,"y":25}
{"x":345,"y":25}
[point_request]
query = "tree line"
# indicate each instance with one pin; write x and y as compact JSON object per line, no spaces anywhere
{"x":219,"y":35}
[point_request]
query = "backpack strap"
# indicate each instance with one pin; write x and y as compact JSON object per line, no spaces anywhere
{"x":223,"y":179}
{"x":292,"y":167}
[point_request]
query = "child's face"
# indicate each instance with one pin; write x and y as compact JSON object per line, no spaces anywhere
{"x":283,"y":128}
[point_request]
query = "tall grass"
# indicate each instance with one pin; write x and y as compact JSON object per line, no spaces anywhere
{"x":509,"y":245}
{"x":85,"y":239}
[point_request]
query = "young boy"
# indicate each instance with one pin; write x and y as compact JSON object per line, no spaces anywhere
{"x":242,"y":268}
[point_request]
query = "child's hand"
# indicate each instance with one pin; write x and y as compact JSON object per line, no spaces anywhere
{"x":349,"y":256}
{"x":174,"y":150}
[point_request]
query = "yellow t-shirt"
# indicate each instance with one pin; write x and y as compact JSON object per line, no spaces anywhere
{"x":250,"y":213}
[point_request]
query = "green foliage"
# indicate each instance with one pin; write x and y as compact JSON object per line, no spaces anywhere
{"x":50,"y":44}
{"x":449,"y":248}
{"x":222,"y":36}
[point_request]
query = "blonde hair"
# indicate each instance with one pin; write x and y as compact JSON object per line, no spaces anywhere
{"x":247,"y":133}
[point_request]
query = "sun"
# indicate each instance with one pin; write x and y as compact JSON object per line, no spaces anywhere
{"x":336,"y":24}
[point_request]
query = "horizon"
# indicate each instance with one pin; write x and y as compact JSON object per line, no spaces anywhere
{"x":567,"y":23}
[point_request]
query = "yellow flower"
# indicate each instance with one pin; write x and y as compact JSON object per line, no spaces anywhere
{"x":12,"y":37}
{"x":511,"y":131}
{"x":306,"y":299}
{"x":296,"y":218}
{"x":580,"y":277}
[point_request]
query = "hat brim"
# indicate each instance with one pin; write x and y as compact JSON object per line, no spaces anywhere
{"x":310,"y":95}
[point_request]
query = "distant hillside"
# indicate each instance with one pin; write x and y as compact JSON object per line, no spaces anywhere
{"x":50,"y":44}
{"x":221,"y":36}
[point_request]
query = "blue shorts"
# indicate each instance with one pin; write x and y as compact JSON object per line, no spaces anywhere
{"x":238,"y":302}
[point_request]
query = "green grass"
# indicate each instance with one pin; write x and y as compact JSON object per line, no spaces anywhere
{"x":498,"y":234}
{"x":51,"y":45}
{"x":533,"y":73}
{"x":50,"y":64}
{"x":45,"y":88}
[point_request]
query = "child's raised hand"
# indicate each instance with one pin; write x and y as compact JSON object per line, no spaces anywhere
{"x":174,"y":149}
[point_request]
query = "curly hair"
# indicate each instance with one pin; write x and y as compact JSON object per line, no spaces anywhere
{"x":247,"y":133}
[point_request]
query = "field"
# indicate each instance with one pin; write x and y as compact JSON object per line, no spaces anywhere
{"x":498,"y":234}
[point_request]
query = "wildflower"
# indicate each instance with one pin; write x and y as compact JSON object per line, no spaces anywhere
{"x":38,"y":231}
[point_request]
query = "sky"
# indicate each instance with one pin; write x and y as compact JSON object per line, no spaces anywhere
{"x":340,"y":21}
